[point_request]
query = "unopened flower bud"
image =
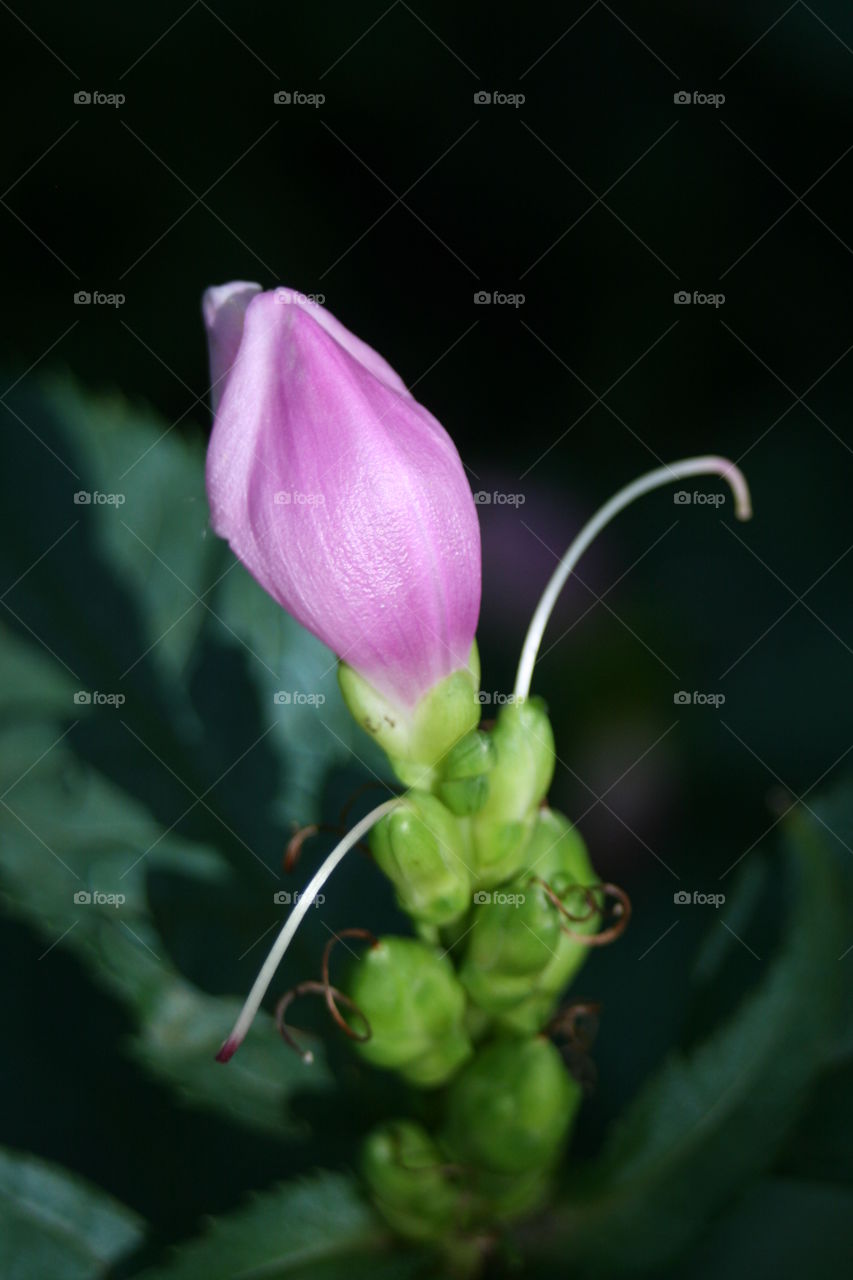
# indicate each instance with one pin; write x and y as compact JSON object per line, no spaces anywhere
{"x":464,"y":783}
{"x":410,"y":996}
{"x":420,"y":847}
{"x":510,"y":1109}
{"x":406,"y":1174}
{"x":520,"y":779}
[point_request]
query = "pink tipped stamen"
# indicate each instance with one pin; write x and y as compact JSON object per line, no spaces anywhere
{"x":709,"y":464}
{"x":292,"y":923}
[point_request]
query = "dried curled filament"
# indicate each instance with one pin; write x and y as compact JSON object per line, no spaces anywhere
{"x":587,"y":892}
{"x":331,"y":991}
{"x":620,"y":911}
{"x":293,"y":852}
{"x":313,"y":988}
{"x":576,"y":1024}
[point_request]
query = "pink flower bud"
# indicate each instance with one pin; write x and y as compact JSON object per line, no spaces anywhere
{"x":341,"y":495}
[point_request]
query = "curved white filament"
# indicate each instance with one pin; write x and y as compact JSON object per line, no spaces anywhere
{"x":285,"y":937}
{"x":707,"y":465}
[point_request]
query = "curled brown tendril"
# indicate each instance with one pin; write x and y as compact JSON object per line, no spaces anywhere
{"x":587,"y":892}
{"x":576,"y":1023}
{"x":331,"y":991}
{"x":576,"y":1026}
{"x":294,"y":845}
{"x":620,"y":911}
{"x":312,"y":988}
{"x":370,"y":785}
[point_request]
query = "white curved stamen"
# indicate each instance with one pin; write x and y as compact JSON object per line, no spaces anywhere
{"x":706,"y":465}
{"x":285,"y":937}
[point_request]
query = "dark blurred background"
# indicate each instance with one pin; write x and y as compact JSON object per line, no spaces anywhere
{"x":591,"y":204}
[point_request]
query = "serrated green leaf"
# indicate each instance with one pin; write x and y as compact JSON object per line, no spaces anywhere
{"x":180,"y":799}
{"x":317,"y":1229}
{"x":712,"y":1119}
{"x":52,"y":1223}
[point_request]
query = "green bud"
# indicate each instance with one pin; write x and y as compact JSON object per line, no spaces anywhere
{"x":510,"y":1109}
{"x":514,"y":936}
{"x":464,"y":781}
{"x":557,"y":855}
{"x":524,"y":743}
{"x":405,"y":1172}
{"x":416,"y":739}
{"x":421,"y":848}
{"x":415,"y":1006}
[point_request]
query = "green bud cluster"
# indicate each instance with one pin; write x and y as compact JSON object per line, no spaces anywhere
{"x":501,"y":894}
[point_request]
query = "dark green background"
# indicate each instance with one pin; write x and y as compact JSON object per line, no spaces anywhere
{"x":200,"y":178}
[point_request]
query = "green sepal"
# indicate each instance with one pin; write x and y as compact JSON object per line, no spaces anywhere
{"x":415,"y":1006}
{"x":416,"y":739}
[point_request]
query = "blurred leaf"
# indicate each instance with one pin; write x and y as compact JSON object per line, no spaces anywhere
{"x":714,"y":1118}
{"x":177,"y":796}
{"x":317,"y":1229}
{"x":55,"y":1224}
{"x":780,"y":1228}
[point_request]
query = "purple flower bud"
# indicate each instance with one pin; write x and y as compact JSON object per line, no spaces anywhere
{"x":341,"y":495}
